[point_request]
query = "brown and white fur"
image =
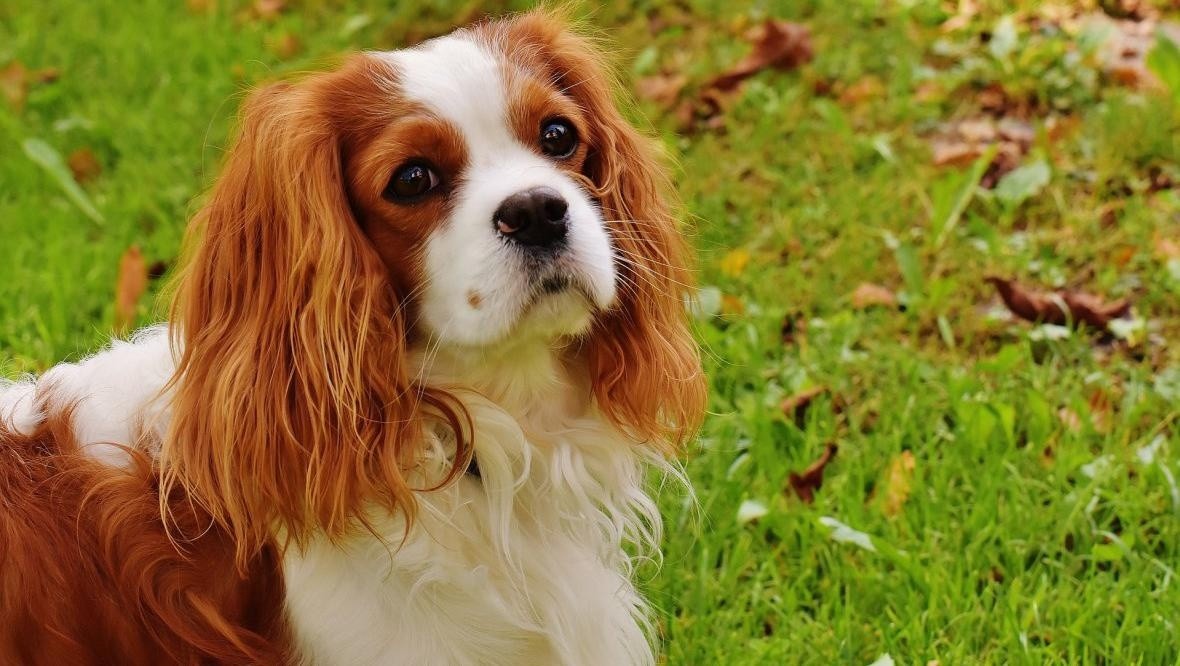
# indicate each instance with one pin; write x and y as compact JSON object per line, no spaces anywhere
{"x":377,"y":429}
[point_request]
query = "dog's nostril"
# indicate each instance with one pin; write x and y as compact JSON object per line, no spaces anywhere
{"x":555,"y":208}
{"x":534,"y":217}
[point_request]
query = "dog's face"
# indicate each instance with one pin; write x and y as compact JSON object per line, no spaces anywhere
{"x":480,"y":190}
{"x":482,"y":162}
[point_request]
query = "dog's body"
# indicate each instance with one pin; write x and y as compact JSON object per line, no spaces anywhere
{"x":280,"y":477}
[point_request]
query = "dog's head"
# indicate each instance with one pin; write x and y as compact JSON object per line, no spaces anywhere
{"x":481,"y":190}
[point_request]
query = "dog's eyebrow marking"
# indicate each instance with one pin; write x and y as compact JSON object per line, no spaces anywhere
{"x":474,"y":299}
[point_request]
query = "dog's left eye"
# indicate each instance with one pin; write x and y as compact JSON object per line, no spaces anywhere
{"x":558,"y":138}
{"x":410,"y":182}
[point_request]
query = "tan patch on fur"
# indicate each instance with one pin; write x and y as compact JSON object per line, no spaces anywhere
{"x":474,"y":299}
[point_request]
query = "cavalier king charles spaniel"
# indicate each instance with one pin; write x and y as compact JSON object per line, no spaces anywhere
{"x":428,"y":340}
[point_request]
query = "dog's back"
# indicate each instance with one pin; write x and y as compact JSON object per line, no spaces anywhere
{"x":88,"y":574}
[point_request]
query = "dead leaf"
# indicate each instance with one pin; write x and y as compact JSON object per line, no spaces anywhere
{"x":960,"y":143}
{"x":867,"y":88}
{"x":795,"y":406}
{"x":15,"y":80}
{"x":897,"y":483}
{"x":286,"y":45}
{"x":130,"y":287}
{"x":868,"y":295}
{"x":663,"y":89}
{"x":777,"y":44}
{"x":269,"y":9}
{"x":732,"y":305}
{"x":14,"y":84}
{"x":157,"y":269}
{"x":810,"y":480}
{"x":794,"y":330}
{"x":1101,"y":407}
{"x":1165,"y":248}
{"x":84,"y":165}
{"x":1061,"y":307}
{"x":734,"y":263}
{"x":967,"y":11}
{"x":1069,"y":419}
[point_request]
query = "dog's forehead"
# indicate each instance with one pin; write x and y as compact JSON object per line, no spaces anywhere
{"x":460,"y":78}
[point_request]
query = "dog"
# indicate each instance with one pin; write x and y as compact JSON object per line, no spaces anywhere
{"x":427,"y":340}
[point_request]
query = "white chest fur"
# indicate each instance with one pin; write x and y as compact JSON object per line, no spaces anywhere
{"x":523,"y":565}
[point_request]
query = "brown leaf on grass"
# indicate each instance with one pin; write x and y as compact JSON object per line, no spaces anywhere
{"x":793,"y":331}
{"x":15,"y":80}
{"x":961,"y":142}
{"x":868,"y":295}
{"x":663,"y":89}
{"x":966,"y":12}
{"x":795,"y":406}
{"x":806,"y":483}
{"x":130,"y":287}
{"x":84,"y":165}
{"x":1061,"y":307}
{"x":732,"y":305}
{"x":1165,"y":248}
{"x":269,"y":9}
{"x":863,"y":90}
{"x":777,"y":44}
{"x":897,"y":483}
{"x":285,"y":45}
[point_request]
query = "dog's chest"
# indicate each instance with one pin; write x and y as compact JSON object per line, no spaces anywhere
{"x":522,"y":565}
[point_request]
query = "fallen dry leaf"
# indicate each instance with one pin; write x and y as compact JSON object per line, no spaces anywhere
{"x":806,"y":483}
{"x":793,"y":331}
{"x":966,"y":12}
{"x":868,"y":295}
{"x":732,"y":305}
{"x":15,"y":80}
{"x":130,"y":287}
{"x":1061,"y":307}
{"x":897,"y":483}
{"x":663,"y":89}
{"x":867,"y":88}
{"x":269,"y":9}
{"x":285,"y":46}
{"x":734,"y":263}
{"x":14,"y":84}
{"x":777,"y":44}
{"x":795,"y":405}
{"x":84,"y":165}
{"x":1165,"y":248}
{"x":960,"y":143}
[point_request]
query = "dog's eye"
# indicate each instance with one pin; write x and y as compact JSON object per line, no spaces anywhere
{"x":558,"y":138}
{"x":410,"y":182}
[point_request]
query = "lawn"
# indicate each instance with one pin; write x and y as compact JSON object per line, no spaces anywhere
{"x":1014,"y":482}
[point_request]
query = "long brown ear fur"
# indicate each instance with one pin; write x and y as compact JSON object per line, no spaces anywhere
{"x":292,"y":402}
{"x":645,"y":365}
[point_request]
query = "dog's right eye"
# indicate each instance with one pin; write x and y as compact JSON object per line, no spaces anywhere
{"x":411,"y":182}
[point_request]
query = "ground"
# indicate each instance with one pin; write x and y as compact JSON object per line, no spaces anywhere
{"x":1006,"y":489}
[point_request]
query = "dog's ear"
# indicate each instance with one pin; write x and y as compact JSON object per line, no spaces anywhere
{"x":292,"y":404}
{"x":645,"y":365}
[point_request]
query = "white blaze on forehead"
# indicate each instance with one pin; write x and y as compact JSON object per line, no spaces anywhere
{"x":459,"y":78}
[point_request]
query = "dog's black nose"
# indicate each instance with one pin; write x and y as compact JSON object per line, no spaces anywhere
{"x":536,"y":217}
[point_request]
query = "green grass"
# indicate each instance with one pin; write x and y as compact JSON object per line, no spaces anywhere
{"x":1006,"y":550}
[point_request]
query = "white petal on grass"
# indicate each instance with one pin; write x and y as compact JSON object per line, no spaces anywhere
{"x":845,"y":534}
{"x":1146,"y":454}
{"x":751,"y":510}
{"x":1049,"y":332}
{"x":884,"y":660}
{"x":1127,"y":329}
{"x":1098,"y":466}
{"x":706,"y":304}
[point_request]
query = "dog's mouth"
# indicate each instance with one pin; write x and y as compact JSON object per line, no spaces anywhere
{"x":554,"y":285}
